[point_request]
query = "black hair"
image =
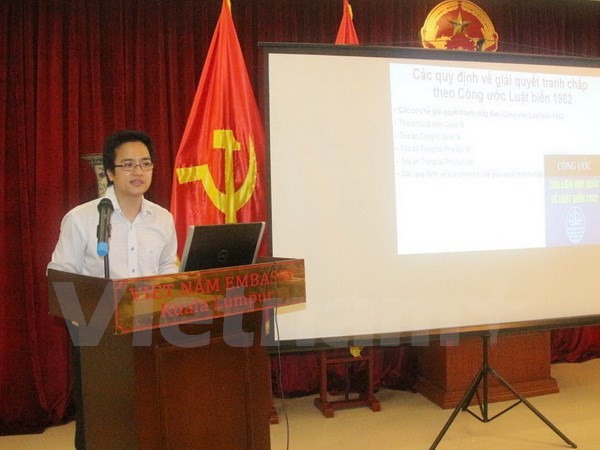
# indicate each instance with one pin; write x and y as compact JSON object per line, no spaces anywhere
{"x":119,"y":138}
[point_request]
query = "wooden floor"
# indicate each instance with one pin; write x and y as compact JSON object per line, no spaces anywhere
{"x":409,"y":421}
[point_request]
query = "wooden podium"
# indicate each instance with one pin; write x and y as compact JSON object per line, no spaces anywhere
{"x":177,"y":361}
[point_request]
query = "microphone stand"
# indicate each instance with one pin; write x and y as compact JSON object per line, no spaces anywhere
{"x":106,"y":267}
{"x":105,"y":209}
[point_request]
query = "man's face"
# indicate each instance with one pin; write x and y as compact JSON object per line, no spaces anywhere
{"x":131,"y":183}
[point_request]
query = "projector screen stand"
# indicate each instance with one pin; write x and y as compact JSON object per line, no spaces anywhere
{"x":482,"y":377}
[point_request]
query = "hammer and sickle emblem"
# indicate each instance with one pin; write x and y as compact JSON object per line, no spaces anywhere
{"x":230,"y":201}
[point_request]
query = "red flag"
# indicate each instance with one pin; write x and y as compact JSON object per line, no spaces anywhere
{"x":219,"y":168}
{"x":347,"y":33}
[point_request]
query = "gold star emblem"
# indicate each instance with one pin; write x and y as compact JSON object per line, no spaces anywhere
{"x":460,"y":25}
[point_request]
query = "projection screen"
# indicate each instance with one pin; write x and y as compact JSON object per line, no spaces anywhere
{"x":433,"y":190}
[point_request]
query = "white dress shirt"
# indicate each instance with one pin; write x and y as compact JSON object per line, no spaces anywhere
{"x":146,"y":246}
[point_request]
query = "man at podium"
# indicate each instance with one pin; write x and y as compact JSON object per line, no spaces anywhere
{"x":142,"y":234}
{"x":136,"y":235}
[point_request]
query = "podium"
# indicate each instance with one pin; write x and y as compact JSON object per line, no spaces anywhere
{"x":177,"y":361}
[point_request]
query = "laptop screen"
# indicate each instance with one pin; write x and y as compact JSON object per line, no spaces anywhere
{"x":221,"y":245}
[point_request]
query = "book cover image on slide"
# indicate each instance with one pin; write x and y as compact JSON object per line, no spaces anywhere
{"x":572,"y":186}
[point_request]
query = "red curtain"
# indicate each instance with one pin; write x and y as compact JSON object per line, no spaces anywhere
{"x":576,"y":344}
{"x":72,"y":71}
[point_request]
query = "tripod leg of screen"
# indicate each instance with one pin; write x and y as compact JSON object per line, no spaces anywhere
{"x":468,"y":397}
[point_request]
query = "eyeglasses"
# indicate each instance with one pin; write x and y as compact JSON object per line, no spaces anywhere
{"x":129,"y":166}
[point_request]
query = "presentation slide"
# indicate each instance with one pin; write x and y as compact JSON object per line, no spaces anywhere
{"x":493,"y":159}
{"x":432,"y":191}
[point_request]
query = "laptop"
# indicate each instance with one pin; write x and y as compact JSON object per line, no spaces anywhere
{"x":221,"y":245}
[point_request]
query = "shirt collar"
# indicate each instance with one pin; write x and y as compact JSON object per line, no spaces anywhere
{"x":110,"y":194}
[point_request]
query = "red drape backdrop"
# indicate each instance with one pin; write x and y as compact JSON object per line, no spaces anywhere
{"x":72,"y":71}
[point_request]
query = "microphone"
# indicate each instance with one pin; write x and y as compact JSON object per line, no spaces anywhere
{"x":105,"y":209}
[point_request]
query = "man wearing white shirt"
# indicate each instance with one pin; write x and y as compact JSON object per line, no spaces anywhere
{"x":142,"y":241}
